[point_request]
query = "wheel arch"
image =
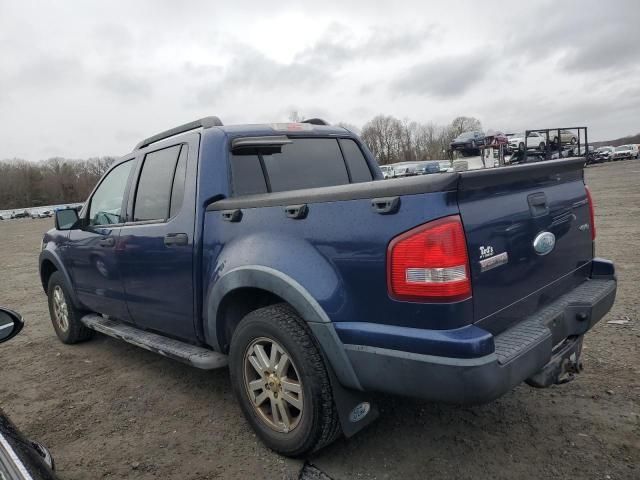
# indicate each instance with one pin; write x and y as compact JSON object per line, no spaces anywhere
{"x":50,"y":263}
{"x":247,"y":288}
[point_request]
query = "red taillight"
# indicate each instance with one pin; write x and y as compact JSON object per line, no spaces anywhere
{"x":591,"y":213}
{"x":430,"y":263}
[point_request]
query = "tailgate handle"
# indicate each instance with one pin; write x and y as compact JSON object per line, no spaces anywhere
{"x":232,"y":215}
{"x":385,"y":205}
{"x":297,"y":212}
{"x":538,"y":204}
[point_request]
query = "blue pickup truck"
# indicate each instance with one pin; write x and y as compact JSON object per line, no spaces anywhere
{"x":279,"y":250}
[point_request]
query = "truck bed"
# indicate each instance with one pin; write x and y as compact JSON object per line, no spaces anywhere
{"x":337,"y":252}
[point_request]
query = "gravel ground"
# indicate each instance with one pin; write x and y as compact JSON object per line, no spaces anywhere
{"x":110,"y":410}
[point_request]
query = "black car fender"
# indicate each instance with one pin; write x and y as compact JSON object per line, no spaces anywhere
{"x":51,"y":256}
{"x":285,"y":287}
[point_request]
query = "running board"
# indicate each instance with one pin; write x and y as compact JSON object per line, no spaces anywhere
{"x":184,"y":352}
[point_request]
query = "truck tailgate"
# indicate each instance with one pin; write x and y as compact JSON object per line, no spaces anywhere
{"x":515,"y":265}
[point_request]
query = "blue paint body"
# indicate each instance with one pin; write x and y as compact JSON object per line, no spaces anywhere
{"x":336,"y":257}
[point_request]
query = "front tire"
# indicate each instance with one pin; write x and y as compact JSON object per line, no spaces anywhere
{"x":280,"y":379}
{"x":64,"y":316}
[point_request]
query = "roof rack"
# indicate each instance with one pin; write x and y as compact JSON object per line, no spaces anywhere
{"x":206,"y":122}
{"x":315,"y":121}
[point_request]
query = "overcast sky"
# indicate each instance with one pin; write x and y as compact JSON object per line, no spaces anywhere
{"x":87,"y":78}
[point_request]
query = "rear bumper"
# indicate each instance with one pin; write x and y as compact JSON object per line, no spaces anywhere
{"x":524,"y":351}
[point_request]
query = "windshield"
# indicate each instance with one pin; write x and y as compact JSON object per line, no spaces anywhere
{"x":466,"y":135}
{"x":622,"y":147}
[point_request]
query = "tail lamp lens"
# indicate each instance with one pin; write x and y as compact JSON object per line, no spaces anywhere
{"x":591,"y":214}
{"x":430,"y":263}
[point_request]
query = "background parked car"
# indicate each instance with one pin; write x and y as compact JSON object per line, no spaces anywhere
{"x":405,"y":169}
{"x":604,"y":154}
{"x":45,"y":214}
{"x":387,"y":171}
{"x":468,"y":142}
{"x":428,"y":167}
{"x":24,"y":214}
{"x":534,"y":140}
{"x":625,"y":151}
{"x":566,"y":136}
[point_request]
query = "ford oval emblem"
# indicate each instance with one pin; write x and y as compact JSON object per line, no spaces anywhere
{"x":544,"y":243}
{"x":359,"y":412}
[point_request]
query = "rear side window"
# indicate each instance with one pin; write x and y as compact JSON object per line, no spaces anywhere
{"x":304,"y":163}
{"x":153,"y":194}
{"x":247,"y":176}
{"x":358,"y":168}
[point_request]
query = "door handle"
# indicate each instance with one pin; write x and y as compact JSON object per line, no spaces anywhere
{"x":297,"y":212}
{"x":107,"y":242}
{"x":385,"y":205}
{"x":232,"y":215}
{"x":176,"y":239}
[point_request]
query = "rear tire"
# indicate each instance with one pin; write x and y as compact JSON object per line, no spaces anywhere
{"x":65,"y":317}
{"x":263,"y":385}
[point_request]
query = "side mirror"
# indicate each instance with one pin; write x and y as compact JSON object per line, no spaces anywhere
{"x":67,"y":219}
{"x":10,"y":324}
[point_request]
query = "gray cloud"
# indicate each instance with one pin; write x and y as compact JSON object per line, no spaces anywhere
{"x":587,"y":35}
{"x":254,"y":71}
{"x":445,"y":77}
{"x":47,"y":72}
{"x":130,"y":86}
{"x":337,"y":47}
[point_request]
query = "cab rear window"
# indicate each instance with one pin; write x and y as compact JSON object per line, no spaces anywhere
{"x":303,"y":163}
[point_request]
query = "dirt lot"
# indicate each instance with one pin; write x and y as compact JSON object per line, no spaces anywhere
{"x":110,"y":410}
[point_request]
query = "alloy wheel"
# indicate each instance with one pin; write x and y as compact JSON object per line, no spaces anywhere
{"x":60,"y":309}
{"x":273,"y":385}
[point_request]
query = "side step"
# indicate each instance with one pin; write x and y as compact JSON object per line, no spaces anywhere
{"x":184,"y":352}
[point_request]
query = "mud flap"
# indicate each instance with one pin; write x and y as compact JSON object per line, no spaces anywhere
{"x":355,"y":409}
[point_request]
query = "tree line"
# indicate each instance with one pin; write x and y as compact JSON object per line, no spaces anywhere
{"x":49,"y":182}
{"x":392,"y":140}
{"x":60,"y":180}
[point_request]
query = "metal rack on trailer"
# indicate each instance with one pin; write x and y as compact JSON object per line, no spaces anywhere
{"x":559,"y":146}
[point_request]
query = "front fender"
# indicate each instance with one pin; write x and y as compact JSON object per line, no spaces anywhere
{"x":53,"y":257}
{"x":285,"y":287}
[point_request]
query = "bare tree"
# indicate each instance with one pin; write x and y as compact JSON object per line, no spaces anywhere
{"x":383,"y":135}
{"x":52,"y":181}
{"x":464,"y":124}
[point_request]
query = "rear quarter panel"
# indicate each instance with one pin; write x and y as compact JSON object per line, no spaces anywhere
{"x":337,"y":254}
